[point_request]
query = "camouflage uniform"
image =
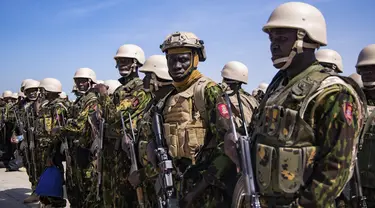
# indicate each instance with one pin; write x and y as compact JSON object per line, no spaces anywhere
{"x":10,"y":126}
{"x":365,"y":159}
{"x":26,"y":144}
{"x":305,"y":138}
{"x":2,"y":128}
{"x":81,"y":185}
{"x":128,"y":98}
{"x":47,"y":145}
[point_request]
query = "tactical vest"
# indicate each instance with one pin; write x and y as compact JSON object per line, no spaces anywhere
{"x":185,"y":120}
{"x":285,"y":144}
{"x":366,"y":157}
{"x":125,"y":90}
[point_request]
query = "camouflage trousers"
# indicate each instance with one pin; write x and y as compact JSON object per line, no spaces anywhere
{"x":125,"y":195}
{"x":81,"y":185}
{"x":42,"y":155}
{"x":109,"y":179}
{"x":30,"y":171}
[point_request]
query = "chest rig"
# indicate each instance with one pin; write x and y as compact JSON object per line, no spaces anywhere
{"x":285,"y":144}
{"x":185,"y":121}
{"x":366,"y":156}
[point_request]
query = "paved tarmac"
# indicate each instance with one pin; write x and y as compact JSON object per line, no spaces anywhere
{"x":14,"y":188}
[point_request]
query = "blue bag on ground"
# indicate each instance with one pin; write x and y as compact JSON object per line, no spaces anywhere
{"x":50,"y":183}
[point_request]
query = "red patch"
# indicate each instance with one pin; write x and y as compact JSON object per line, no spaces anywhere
{"x":348,"y":112}
{"x":223,"y":110}
{"x":135,"y":102}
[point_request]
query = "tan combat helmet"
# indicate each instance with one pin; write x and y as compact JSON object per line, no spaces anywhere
{"x":331,"y":57}
{"x":157,"y":64}
{"x":24,"y":83}
{"x":263,"y":86}
{"x":99,"y":82}
{"x":357,"y":78}
{"x":131,"y":51}
{"x":63,"y":95}
{"x":112,"y":85}
{"x":308,"y":20}
{"x":21,"y":94}
{"x":31,"y":84}
{"x":14,"y":95}
{"x":236,"y":71}
{"x":158,"y":67}
{"x":7,"y":94}
{"x":85,"y":73}
{"x":51,"y":85}
{"x":366,"y":58}
{"x":182,"y":40}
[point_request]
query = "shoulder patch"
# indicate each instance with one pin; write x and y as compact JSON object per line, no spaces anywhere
{"x":223,"y":110}
{"x":348,"y":112}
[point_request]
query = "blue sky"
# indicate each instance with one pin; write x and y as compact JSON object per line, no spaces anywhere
{"x":44,"y":38}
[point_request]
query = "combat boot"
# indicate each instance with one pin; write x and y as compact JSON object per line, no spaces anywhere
{"x":31,"y":199}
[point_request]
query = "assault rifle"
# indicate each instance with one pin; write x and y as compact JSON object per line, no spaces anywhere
{"x":64,"y":144}
{"x":22,"y":131}
{"x":243,"y":147}
{"x":358,"y":200}
{"x":133,"y":157}
{"x":166,"y":191}
{"x":30,"y":133}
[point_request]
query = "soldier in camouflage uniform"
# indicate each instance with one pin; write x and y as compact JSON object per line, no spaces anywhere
{"x":48,"y":117}
{"x":31,"y":91}
{"x":157,"y":84}
{"x":2,"y":129}
{"x":193,"y":138}
{"x":330,"y":59}
{"x":357,"y":78}
{"x":10,"y":126}
{"x":259,"y":92}
{"x":80,"y":129}
{"x":306,"y":132}
{"x":117,"y":190}
{"x":235,"y":74}
{"x":366,"y":68}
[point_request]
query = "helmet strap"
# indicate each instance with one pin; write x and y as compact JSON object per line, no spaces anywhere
{"x":296,"y":49}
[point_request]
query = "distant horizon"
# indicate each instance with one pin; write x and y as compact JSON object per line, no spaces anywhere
{"x":54,"y":39}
